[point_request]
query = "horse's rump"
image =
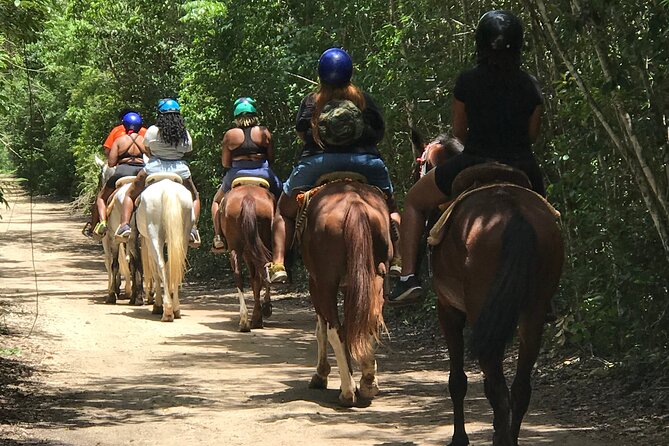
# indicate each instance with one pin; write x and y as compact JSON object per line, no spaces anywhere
{"x":346,"y":242}
{"x":243,"y":208}
{"x":499,"y":243}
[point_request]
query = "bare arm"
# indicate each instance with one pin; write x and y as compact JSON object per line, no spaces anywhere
{"x":226,"y":153}
{"x":112,"y":158}
{"x":535,"y":124}
{"x":459,"y":120}
{"x":267,"y":140}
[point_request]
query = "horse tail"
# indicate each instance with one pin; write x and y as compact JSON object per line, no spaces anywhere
{"x":362,"y":307}
{"x":175,"y":237}
{"x":513,"y":285}
{"x":253,"y":243}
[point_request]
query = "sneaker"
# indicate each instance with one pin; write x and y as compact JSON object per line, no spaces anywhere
{"x":194,"y":241}
{"x":405,"y":292}
{"x":276,"y":273}
{"x":123,"y":233}
{"x":395,"y":269}
{"x":100,"y":230}
{"x":87,"y":231}
{"x":219,"y":242}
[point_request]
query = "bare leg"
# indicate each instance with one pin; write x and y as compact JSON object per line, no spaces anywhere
{"x":215,"y":207}
{"x":102,"y":198}
{"x":130,"y":197}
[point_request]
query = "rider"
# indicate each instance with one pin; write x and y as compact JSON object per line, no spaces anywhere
{"x":496,"y":114}
{"x":355,"y":152}
{"x":126,"y":154}
{"x":246,"y":151}
{"x":166,"y":142}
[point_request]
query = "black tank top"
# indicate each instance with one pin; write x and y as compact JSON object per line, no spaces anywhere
{"x":248,"y":147}
{"x":128,"y":155}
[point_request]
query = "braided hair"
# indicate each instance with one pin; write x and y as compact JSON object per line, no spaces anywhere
{"x":172,"y":128}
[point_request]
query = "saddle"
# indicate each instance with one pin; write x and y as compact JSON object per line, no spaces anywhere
{"x":119,"y":183}
{"x":250,"y":181}
{"x":304,"y":198}
{"x":155,"y":177}
{"x":478,"y":178}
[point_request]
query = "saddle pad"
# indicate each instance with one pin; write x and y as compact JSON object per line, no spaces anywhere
{"x":124,"y":180}
{"x":250,"y":181}
{"x":439,"y":229}
{"x":342,"y":175}
{"x":155,"y":177}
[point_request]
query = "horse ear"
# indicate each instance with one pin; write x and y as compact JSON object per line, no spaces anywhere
{"x":417,"y":144}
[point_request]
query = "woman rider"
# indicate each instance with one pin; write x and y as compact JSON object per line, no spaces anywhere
{"x":496,"y":114}
{"x":246,"y":151}
{"x":167,"y":142}
{"x":126,"y":154}
{"x":319,"y":157}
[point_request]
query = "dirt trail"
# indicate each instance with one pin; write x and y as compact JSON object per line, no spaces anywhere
{"x":115,"y":375}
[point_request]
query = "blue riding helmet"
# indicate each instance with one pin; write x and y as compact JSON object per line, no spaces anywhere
{"x":168,"y":105}
{"x":243,"y":105}
{"x":335,"y":67}
{"x":132,"y":121}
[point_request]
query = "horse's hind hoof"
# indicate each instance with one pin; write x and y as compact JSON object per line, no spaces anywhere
{"x":111,"y":299}
{"x":256,"y":324}
{"x":245,"y":328}
{"x":369,"y":388}
{"x":137,"y":302}
{"x":347,"y":401}
{"x":167,"y":318}
{"x":177,"y":314}
{"x":267,"y":309}
{"x":318,"y":382}
{"x":157,"y":309}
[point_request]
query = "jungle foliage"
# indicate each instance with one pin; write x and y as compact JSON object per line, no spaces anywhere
{"x":68,"y":67}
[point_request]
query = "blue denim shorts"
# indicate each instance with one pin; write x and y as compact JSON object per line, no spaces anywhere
{"x":157,"y":165}
{"x":310,"y":168}
{"x":258,"y":169}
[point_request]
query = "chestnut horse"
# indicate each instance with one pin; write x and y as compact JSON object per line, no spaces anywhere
{"x":246,"y":221}
{"x":346,"y":244}
{"x":496,"y":268}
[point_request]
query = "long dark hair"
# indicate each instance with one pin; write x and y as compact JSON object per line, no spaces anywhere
{"x":172,"y":128}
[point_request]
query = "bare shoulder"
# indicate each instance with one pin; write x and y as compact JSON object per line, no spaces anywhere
{"x":233,"y":137}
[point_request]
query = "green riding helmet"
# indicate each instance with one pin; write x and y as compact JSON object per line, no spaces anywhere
{"x":244,"y":105}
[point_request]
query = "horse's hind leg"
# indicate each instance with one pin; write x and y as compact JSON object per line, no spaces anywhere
{"x":369,"y":385}
{"x":452,"y":323}
{"x":244,"y":323}
{"x":256,"y":286}
{"x":529,"y":334}
{"x":497,"y":392}
{"x":320,"y":378}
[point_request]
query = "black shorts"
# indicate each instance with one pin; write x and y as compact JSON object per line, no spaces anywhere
{"x":123,"y":170}
{"x":445,"y":173}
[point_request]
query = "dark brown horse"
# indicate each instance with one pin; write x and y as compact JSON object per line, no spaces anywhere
{"x":346,"y":244}
{"x":246,"y":221}
{"x":496,"y":268}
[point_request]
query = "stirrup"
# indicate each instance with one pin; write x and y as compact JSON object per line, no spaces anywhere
{"x":87,"y":230}
{"x":194,"y":238}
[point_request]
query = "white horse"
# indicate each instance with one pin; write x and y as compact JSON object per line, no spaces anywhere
{"x":165,"y":216}
{"x":116,"y":258}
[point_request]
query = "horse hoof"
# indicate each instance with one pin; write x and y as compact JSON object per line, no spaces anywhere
{"x":256,"y":324}
{"x":167,"y":318}
{"x":369,"y":388}
{"x":157,"y":309}
{"x":244,"y":328}
{"x":138,"y":302}
{"x":459,"y":441}
{"x":111,"y":299}
{"x":318,"y":382}
{"x":347,"y":401}
{"x":267,"y":309}
{"x":177,"y":314}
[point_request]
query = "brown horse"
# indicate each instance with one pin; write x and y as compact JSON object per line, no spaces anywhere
{"x":346,"y":244}
{"x":246,"y":221}
{"x":497,"y":268}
